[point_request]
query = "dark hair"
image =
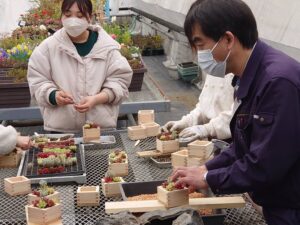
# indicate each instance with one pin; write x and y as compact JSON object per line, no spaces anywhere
{"x":85,"y":6}
{"x":218,"y":16}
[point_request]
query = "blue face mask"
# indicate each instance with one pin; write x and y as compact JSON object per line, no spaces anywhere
{"x":208,"y":64}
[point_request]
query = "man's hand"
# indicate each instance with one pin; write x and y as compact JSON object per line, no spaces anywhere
{"x":86,"y":104}
{"x":63,"y":98}
{"x":190,"y":177}
{"x":24,"y":142}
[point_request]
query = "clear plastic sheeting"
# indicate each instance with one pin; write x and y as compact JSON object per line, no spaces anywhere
{"x":10,"y":11}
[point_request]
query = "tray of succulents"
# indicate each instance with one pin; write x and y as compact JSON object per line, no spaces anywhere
{"x":54,"y":159}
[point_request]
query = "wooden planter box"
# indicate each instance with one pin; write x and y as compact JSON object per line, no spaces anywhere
{"x":17,"y":185}
{"x":146,"y":116}
{"x":167,"y":146}
{"x":200,"y":149}
{"x":111,"y":189}
{"x":191,"y":161}
{"x":136,"y":133}
{"x":44,"y":216}
{"x":152,"y":129}
{"x":91,"y":134}
{"x":118,"y":169}
{"x":55,"y":197}
{"x":11,"y":160}
{"x":88,"y":196}
{"x":173,"y":198}
{"x":179,"y":158}
{"x":137,"y":79}
{"x":14,"y":95}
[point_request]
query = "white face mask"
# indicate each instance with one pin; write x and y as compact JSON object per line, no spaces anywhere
{"x":208,"y":64}
{"x":75,"y":26}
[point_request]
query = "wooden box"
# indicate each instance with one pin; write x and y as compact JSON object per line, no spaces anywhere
{"x":11,"y":160}
{"x":152,"y":129}
{"x":88,"y":196}
{"x":55,"y":197}
{"x":146,"y":116}
{"x":111,"y":189}
{"x":43,"y":216}
{"x":91,"y":134}
{"x":167,"y":146}
{"x":192,"y":161}
{"x":136,"y":133}
{"x":118,"y":169}
{"x":17,"y":185}
{"x":173,"y":198}
{"x":200,"y":149}
{"x":179,"y":158}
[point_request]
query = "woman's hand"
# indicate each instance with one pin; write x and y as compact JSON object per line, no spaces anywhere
{"x":86,"y":104}
{"x":24,"y":142}
{"x":63,"y":98}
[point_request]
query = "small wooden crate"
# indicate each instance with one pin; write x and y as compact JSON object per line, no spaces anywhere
{"x":152,"y":129}
{"x":55,"y":197}
{"x":200,"y":149}
{"x":173,"y":198}
{"x":136,"y":133}
{"x":17,"y":185}
{"x":46,"y":216}
{"x":179,"y":158}
{"x":146,"y":116}
{"x":167,"y":146}
{"x":118,"y":169}
{"x":88,"y":196}
{"x":91,"y":134}
{"x":11,"y":160}
{"x":111,"y":189}
{"x":192,"y":161}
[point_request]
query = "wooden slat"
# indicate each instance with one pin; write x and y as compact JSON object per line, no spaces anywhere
{"x":196,"y":203}
{"x":153,"y":153}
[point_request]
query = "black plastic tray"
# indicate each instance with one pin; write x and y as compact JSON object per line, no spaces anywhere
{"x":150,"y":187}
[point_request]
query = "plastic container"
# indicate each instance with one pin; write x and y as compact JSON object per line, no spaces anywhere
{"x":188,"y":71}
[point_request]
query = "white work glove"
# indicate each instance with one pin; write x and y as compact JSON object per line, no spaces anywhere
{"x":174,"y":125}
{"x":192,"y":133}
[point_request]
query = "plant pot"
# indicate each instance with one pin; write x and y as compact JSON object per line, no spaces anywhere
{"x":14,"y":95}
{"x":152,"y":129}
{"x":91,"y":134}
{"x":179,"y":158}
{"x":43,"y":216}
{"x":167,"y":146}
{"x":88,"y":196}
{"x":11,"y":160}
{"x":146,"y":116}
{"x":200,"y":149}
{"x":173,"y":198}
{"x":111,"y":189}
{"x":137,"y":79}
{"x":136,"y":133}
{"x":118,"y":169}
{"x":17,"y":185}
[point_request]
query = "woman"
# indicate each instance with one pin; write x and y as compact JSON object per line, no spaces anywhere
{"x":9,"y":140}
{"x":78,"y":74}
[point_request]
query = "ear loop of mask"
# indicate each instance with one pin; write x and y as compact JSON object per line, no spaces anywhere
{"x":216,"y":46}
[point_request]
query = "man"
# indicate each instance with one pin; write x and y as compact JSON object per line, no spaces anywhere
{"x":264,"y":158}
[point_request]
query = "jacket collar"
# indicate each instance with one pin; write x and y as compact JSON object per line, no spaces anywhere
{"x":100,"y":50}
{"x":251,"y":69}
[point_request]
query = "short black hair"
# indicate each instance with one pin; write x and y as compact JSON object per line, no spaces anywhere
{"x":218,"y":16}
{"x":85,"y":6}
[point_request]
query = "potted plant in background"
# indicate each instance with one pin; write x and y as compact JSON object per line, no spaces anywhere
{"x":132,"y":54}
